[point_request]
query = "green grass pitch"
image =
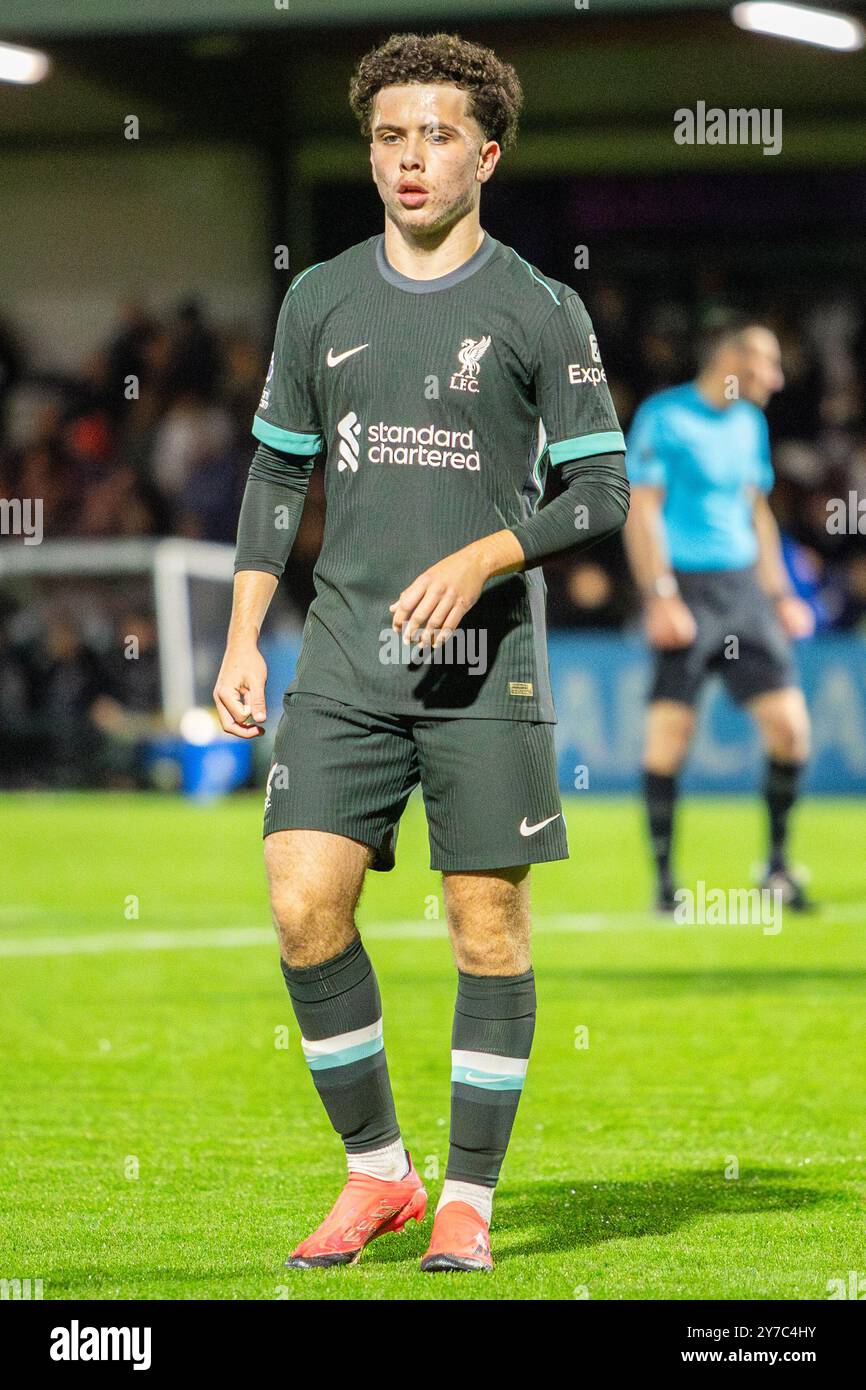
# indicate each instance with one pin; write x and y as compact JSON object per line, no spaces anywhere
{"x":157,"y":1142}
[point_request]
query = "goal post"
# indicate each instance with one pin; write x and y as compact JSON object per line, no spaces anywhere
{"x":189,"y":583}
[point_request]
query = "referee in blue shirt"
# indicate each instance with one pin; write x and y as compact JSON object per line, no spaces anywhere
{"x":704,"y":548}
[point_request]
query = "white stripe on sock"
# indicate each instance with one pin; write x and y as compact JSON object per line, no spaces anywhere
{"x":323,"y":1047}
{"x":489,"y":1062}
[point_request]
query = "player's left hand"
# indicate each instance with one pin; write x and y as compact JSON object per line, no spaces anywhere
{"x":431,"y":607}
{"x":796,"y":617}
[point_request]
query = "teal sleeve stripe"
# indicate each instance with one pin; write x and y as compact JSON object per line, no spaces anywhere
{"x":288,"y":440}
{"x":541,"y":282}
{"x":605,"y":442}
{"x":306,"y":272}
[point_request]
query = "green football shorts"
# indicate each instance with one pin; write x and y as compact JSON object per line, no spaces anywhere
{"x":490,"y":786}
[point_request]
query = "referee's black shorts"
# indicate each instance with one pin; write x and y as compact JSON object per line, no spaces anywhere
{"x":738,"y":638}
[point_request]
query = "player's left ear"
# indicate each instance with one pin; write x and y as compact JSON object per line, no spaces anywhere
{"x":488,"y":158}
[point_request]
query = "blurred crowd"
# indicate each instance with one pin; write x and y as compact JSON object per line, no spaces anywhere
{"x":151,"y":437}
{"x":77,"y":711}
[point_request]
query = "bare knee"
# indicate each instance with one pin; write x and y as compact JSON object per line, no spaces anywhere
{"x":784,"y":722}
{"x":310,"y":929}
{"x":313,"y":889}
{"x":301,"y":922}
{"x":789,"y":741}
{"x":670,"y":728}
{"x":489,"y":921}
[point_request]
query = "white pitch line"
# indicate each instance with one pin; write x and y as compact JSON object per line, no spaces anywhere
{"x":98,"y":943}
{"x":210,"y":938}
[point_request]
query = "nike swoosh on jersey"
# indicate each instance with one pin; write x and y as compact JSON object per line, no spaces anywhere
{"x":531,"y":829}
{"x":334,"y":360}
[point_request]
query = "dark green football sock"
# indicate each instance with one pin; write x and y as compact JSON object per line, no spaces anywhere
{"x":494,"y":1020}
{"x":338,"y":1007}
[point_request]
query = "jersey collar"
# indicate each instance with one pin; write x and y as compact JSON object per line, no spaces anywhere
{"x":478,"y":259}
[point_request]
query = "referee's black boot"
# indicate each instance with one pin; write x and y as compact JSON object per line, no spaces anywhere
{"x":666,"y":900}
{"x":792,"y":893}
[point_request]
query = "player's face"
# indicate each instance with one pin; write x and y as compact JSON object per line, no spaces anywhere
{"x":760,"y":367}
{"x":428,"y":155}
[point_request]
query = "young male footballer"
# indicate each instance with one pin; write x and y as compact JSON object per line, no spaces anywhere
{"x":704,"y":548}
{"x":438,"y":376}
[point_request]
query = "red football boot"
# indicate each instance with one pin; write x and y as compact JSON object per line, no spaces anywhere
{"x":460,"y":1240}
{"x":366,"y":1208}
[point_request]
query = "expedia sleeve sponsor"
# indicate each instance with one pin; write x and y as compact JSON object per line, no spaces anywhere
{"x":571,"y":383}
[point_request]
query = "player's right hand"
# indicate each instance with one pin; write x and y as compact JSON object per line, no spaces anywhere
{"x":239,"y":693}
{"x":669,"y":623}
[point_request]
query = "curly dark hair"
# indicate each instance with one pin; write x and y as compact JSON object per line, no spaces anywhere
{"x":496,"y":93}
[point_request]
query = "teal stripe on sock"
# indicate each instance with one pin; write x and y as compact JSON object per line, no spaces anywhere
{"x":469,"y":1077}
{"x":346,"y":1055}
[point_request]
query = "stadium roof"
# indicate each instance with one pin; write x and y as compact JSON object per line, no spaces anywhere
{"x":20,"y":18}
{"x":601,"y":83}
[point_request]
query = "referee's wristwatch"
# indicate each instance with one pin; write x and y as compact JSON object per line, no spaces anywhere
{"x":663,"y":586}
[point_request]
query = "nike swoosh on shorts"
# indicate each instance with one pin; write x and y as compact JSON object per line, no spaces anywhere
{"x":531,"y":829}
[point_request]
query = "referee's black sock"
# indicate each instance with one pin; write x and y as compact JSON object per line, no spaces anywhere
{"x":781,"y":785}
{"x":660,"y":794}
